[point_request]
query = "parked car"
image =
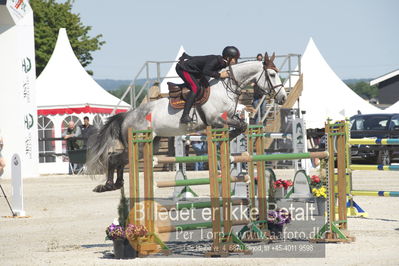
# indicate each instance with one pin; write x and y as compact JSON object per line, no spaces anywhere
{"x":375,"y":126}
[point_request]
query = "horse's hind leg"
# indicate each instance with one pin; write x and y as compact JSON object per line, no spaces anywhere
{"x":115,"y":162}
{"x":156,"y":144}
{"x":119,"y":180}
{"x":121,"y":160}
{"x":109,"y":184}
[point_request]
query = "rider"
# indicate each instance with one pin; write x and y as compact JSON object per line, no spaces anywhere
{"x":192,"y":69}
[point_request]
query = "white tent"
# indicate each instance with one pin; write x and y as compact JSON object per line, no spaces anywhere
{"x":65,"y":91}
{"x":172,"y":76}
{"x":394,"y":108}
{"x":65,"y":87}
{"x":324,"y":94}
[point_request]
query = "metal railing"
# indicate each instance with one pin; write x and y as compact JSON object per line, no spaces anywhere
{"x":284,"y":62}
{"x":45,"y":153}
{"x":289,"y":74}
{"x":149,"y":81}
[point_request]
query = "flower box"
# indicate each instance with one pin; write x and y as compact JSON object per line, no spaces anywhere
{"x":281,"y":187}
{"x":123,"y":249}
{"x":321,"y":206}
{"x":280,"y":193}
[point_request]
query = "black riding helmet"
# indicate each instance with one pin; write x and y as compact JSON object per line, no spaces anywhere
{"x":230,"y":52}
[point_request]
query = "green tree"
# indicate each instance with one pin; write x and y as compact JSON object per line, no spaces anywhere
{"x":364,"y":90}
{"x":49,"y":17}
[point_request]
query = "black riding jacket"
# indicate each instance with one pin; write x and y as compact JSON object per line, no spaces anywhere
{"x":207,"y":65}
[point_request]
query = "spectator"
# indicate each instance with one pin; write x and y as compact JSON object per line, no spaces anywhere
{"x":70,"y":134}
{"x":2,"y":161}
{"x":86,"y":131}
{"x":258,"y":94}
{"x":200,"y":148}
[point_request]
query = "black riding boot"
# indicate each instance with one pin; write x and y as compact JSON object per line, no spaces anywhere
{"x":185,"y":118}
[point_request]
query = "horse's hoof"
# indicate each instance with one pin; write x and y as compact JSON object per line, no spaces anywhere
{"x":103,"y":188}
{"x":118,"y":185}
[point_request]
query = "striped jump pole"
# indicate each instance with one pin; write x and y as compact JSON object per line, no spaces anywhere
{"x":379,"y":167}
{"x":378,"y":141}
{"x":198,"y":181}
{"x":193,"y":138}
{"x":277,"y":135}
{"x":353,"y":207}
{"x":375,"y":193}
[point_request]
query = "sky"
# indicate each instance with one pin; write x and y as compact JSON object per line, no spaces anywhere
{"x":358,"y":38}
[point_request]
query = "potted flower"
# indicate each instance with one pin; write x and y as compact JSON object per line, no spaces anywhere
{"x":320,"y":193}
{"x":117,"y":231}
{"x":276,"y":220}
{"x":136,"y":234}
{"x":281,"y":186}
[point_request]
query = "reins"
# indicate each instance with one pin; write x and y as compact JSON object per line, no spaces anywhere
{"x":232,"y":79}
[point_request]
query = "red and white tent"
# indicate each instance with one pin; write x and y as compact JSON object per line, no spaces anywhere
{"x":64,"y":86}
{"x":65,"y":92}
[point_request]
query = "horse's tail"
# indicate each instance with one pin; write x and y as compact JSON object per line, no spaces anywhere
{"x":101,"y":143}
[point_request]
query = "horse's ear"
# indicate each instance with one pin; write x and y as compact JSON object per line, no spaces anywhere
{"x":273,"y":57}
{"x":266,"y":57}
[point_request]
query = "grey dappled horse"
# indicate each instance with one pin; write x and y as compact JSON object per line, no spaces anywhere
{"x":223,"y":98}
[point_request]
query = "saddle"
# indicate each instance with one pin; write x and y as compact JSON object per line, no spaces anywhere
{"x":178,"y":94}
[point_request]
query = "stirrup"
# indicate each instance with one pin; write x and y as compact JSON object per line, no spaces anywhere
{"x":185,"y":120}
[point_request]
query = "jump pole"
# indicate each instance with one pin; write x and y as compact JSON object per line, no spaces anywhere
{"x":335,"y":229}
{"x":221,"y":246}
{"x":246,"y":158}
{"x":256,"y":230}
{"x":153,"y":244}
{"x":379,"y":193}
{"x":133,"y":176}
{"x":260,"y":169}
{"x":198,"y":205}
{"x":198,"y":181}
{"x":353,"y":208}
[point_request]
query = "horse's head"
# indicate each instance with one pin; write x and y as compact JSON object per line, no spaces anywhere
{"x":269,"y":81}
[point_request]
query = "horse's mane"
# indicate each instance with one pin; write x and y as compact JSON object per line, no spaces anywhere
{"x":241,"y":64}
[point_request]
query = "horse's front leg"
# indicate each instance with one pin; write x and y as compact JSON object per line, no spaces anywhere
{"x":239,"y":126}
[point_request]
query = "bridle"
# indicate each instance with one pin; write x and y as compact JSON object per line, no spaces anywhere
{"x":232,"y":79}
{"x":237,"y":91}
{"x":266,"y":65}
{"x":273,"y":89}
{"x":273,"y":92}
